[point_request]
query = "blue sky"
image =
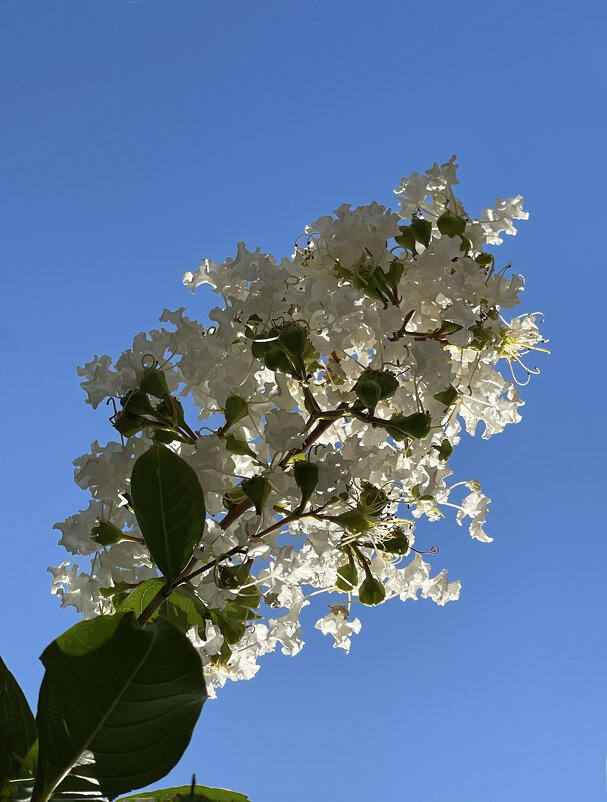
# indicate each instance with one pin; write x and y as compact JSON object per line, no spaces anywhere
{"x":138,"y":137}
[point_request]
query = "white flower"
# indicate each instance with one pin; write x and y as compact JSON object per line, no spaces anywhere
{"x":474,"y":506}
{"x":336,"y":623}
{"x":362,"y":303}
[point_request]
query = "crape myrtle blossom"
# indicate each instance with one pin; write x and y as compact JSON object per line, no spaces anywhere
{"x":331,"y":388}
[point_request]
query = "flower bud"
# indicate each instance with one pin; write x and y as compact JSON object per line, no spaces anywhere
{"x":371,"y":592}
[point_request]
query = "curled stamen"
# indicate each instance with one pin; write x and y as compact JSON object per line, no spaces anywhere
{"x":314,"y":448}
{"x":167,"y":360}
{"x":517,"y":381}
{"x":529,"y":372}
{"x":311,"y":240}
{"x":146,"y":363}
{"x":112,"y":400}
{"x":433,"y":550}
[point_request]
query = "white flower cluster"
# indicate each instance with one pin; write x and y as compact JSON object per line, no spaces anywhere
{"x":339,"y":380}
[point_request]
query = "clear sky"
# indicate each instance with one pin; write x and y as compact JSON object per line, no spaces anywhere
{"x":138,"y":136}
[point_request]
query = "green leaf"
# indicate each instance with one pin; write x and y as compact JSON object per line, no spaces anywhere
{"x":232,"y":627}
{"x":422,"y":230}
{"x":484,"y":259}
{"x":371,"y":592}
{"x":136,"y":402}
{"x":117,"y":592}
{"x":129,"y":695}
{"x":106,"y":534}
{"x":127,"y":424}
{"x":465,"y":244}
{"x":79,"y":785}
{"x":450,"y":224}
{"x":406,"y":238}
{"x":236,"y":616}
{"x":448,"y":327}
{"x":306,"y":477}
{"x":395,"y":272}
{"x":232,"y":622}
{"x":401,"y":427}
{"x":18,"y":790}
{"x":354,"y":520}
{"x":165,"y":436}
{"x":138,"y":599}
{"x":171,"y":409}
{"x":446,"y":397}
{"x":18,"y":737}
{"x":248,"y":600}
{"x":169,"y":506}
{"x":183,"y":793}
{"x":236,"y":409}
{"x":184,"y":609}
{"x":233,"y":577}
{"x":444,"y":450}
{"x":153,"y":382}
{"x":257,"y":490}
{"x":310,"y":358}
{"x":236,"y":446}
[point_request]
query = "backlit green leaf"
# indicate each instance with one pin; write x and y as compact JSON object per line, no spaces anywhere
{"x":444,"y":450}
{"x":154,"y":383}
{"x":18,"y":738}
{"x":236,"y":446}
{"x":183,"y":793}
{"x":139,"y":598}
{"x":401,"y":427}
{"x":127,"y":694}
{"x":236,"y":409}
{"x":447,"y":397}
{"x":422,"y":230}
{"x":354,"y":520}
{"x":406,"y":238}
{"x":169,"y":506}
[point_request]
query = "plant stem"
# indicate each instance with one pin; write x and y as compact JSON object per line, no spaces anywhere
{"x":235,"y":513}
{"x":213,"y":563}
{"x":165,"y":591}
{"x":162,"y":595}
